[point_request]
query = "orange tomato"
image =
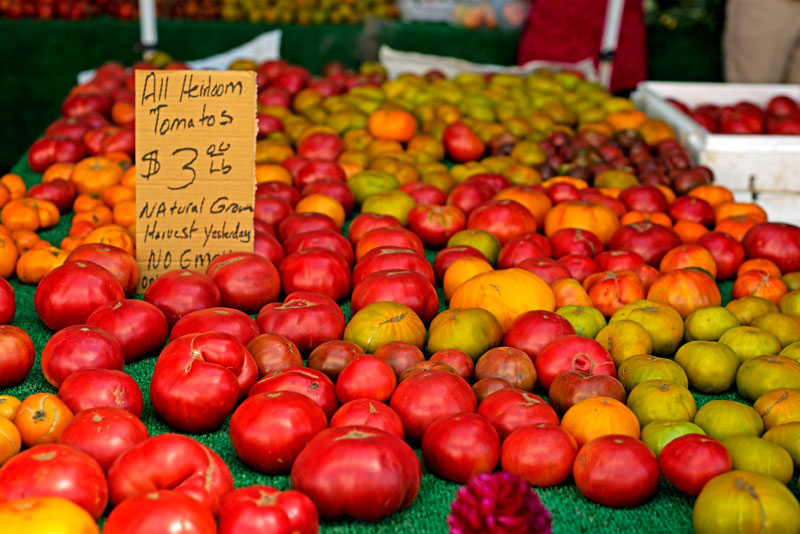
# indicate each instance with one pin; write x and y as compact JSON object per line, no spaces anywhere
{"x":9,"y":405}
{"x":46,"y":515}
{"x":575,"y":182}
{"x":80,"y":228}
{"x":116,"y":194}
{"x":629,"y":119}
{"x":396,"y":125}
{"x":37,"y":263}
{"x":128,"y":178}
{"x":656,"y":217}
{"x":99,"y":216}
{"x":124,"y":213}
{"x":591,"y":216}
{"x":738,"y":225}
{"x":70,"y":243}
{"x":29,"y":214}
{"x":689,"y":231}
{"x":272,"y":172}
{"x":462,"y":270}
{"x":319,"y":203}
{"x":759,"y":284}
{"x":569,"y":291}
{"x":122,"y":112}
{"x":41,"y":418}
{"x":24,"y":240}
{"x":10,"y":440}
{"x":685,"y":256}
{"x":87,"y":202}
{"x":112,"y":234}
{"x":15,"y":185}
{"x":759,"y":264}
{"x":668,"y":192}
{"x":653,"y":131}
{"x":8,"y":256}
{"x":384,"y":147}
{"x":713,"y":194}
{"x":123,"y":159}
{"x":5,"y":196}
{"x":731,"y":209}
{"x":599,"y":416}
{"x":57,"y":171}
{"x":537,"y":202}
{"x":96,"y":174}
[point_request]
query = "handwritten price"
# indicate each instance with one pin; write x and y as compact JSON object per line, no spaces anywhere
{"x":216,"y":162}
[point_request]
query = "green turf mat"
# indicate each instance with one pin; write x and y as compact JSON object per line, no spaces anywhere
{"x":669,"y":512}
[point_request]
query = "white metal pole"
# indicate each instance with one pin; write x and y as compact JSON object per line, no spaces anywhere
{"x":148,"y":32}
{"x":608,"y":45}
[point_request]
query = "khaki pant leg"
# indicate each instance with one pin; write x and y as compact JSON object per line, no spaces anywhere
{"x":794,"y":63}
{"x":759,"y":38}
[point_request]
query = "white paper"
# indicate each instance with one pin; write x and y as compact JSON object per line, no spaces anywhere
{"x":398,"y":62}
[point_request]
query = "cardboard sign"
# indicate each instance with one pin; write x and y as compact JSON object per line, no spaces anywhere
{"x":195,"y":168}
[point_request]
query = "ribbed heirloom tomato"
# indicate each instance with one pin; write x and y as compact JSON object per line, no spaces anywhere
{"x":227,"y":320}
{"x":260,"y":509}
{"x":306,"y":381}
{"x":160,"y":511}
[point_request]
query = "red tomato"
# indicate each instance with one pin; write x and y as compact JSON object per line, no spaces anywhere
{"x":365,"y":222}
{"x":279,"y":190}
{"x":16,"y":355}
{"x":269,"y":430}
{"x":177,"y":293}
{"x":458,"y":360}
{"x":267,"y":246}
{"x":395,"y":236}
{"x":436,"y":224}
{"x":48,"y":150}
{"x":335,"y":189}
{"x":579,"y":267}
{"x":509,"y":409}
{"x":55,"y":471}
{"x":521,"y":248}
{"x":405,"y":287}
{"x":650,"y":240}
{"x":692,"y":460}
{"x":115,"y":260}
{"x":727,"y":252}
{"x":8,"y":305}
{"x":103,"y":433}
{"x":270,"y":209}
{"x":170,"y":462}
{"x":298,"y":223}
{"x":384,"y":258}
{"x":329,"y":239}
{"x":618,"y":260}
{"x":198,"y":378}
{"x":332,"y":356}
{"x":573,"y":353}
{"x":547,"y":269}
{"x":458,"y":447}
{"x":228,"y":320}
{"x":264,"y":509}
{"x":307,"y":319}
{"x":274,"y":353}
{"x":309,"y":382}
{"x":542,"y":454}
{"x":316,"y":270}
{"x":504,"y":219}
{"x":160,"y":511}
{"x":246,"y":281}
{"x":101,"y":388}
{"x":357,"y":471}
{"x":428,"y":396}
{"x":80,"y":347}
{"x":366,"y":377}
{"x":616,"y":471}
{"x":399,"y":355}
{"x":575,"y":241}
{"x":445,"y":257}
{"x":486,"y":386}
{"x":468,"y":196}
{"x":366,"y":412}
{"x":139,"y":326}
{"x":423,"y":193}
{"x":534,"y":330}
{"x":70,"y":293}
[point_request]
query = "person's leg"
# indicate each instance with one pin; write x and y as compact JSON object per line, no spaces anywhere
{"x":793,"y":76}
{"x":758,"y":39}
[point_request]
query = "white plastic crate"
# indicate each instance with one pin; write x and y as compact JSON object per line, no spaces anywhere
{"x":759,"y":163}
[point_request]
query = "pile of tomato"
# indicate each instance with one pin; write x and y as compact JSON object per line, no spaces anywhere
{"x":546,"y":303}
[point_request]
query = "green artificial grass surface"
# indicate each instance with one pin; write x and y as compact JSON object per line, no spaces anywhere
{"x":669,"y":512}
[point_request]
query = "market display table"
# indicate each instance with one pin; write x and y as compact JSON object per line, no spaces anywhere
{"x":41,"y":58}
{"x":670,"y":510}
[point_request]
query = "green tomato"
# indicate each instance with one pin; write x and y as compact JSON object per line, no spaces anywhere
{"x":758,"y":375}
{"x":722,"y":419}
{"x":750,"y":453}
{"x":642,"y":367}
{"x":481,"y":240}
{"x":708,"y":324}
{"x":657,"y":400}
{"x":587,"y":321}
{"x":710,"y":366}
{"x":658,"y":434}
